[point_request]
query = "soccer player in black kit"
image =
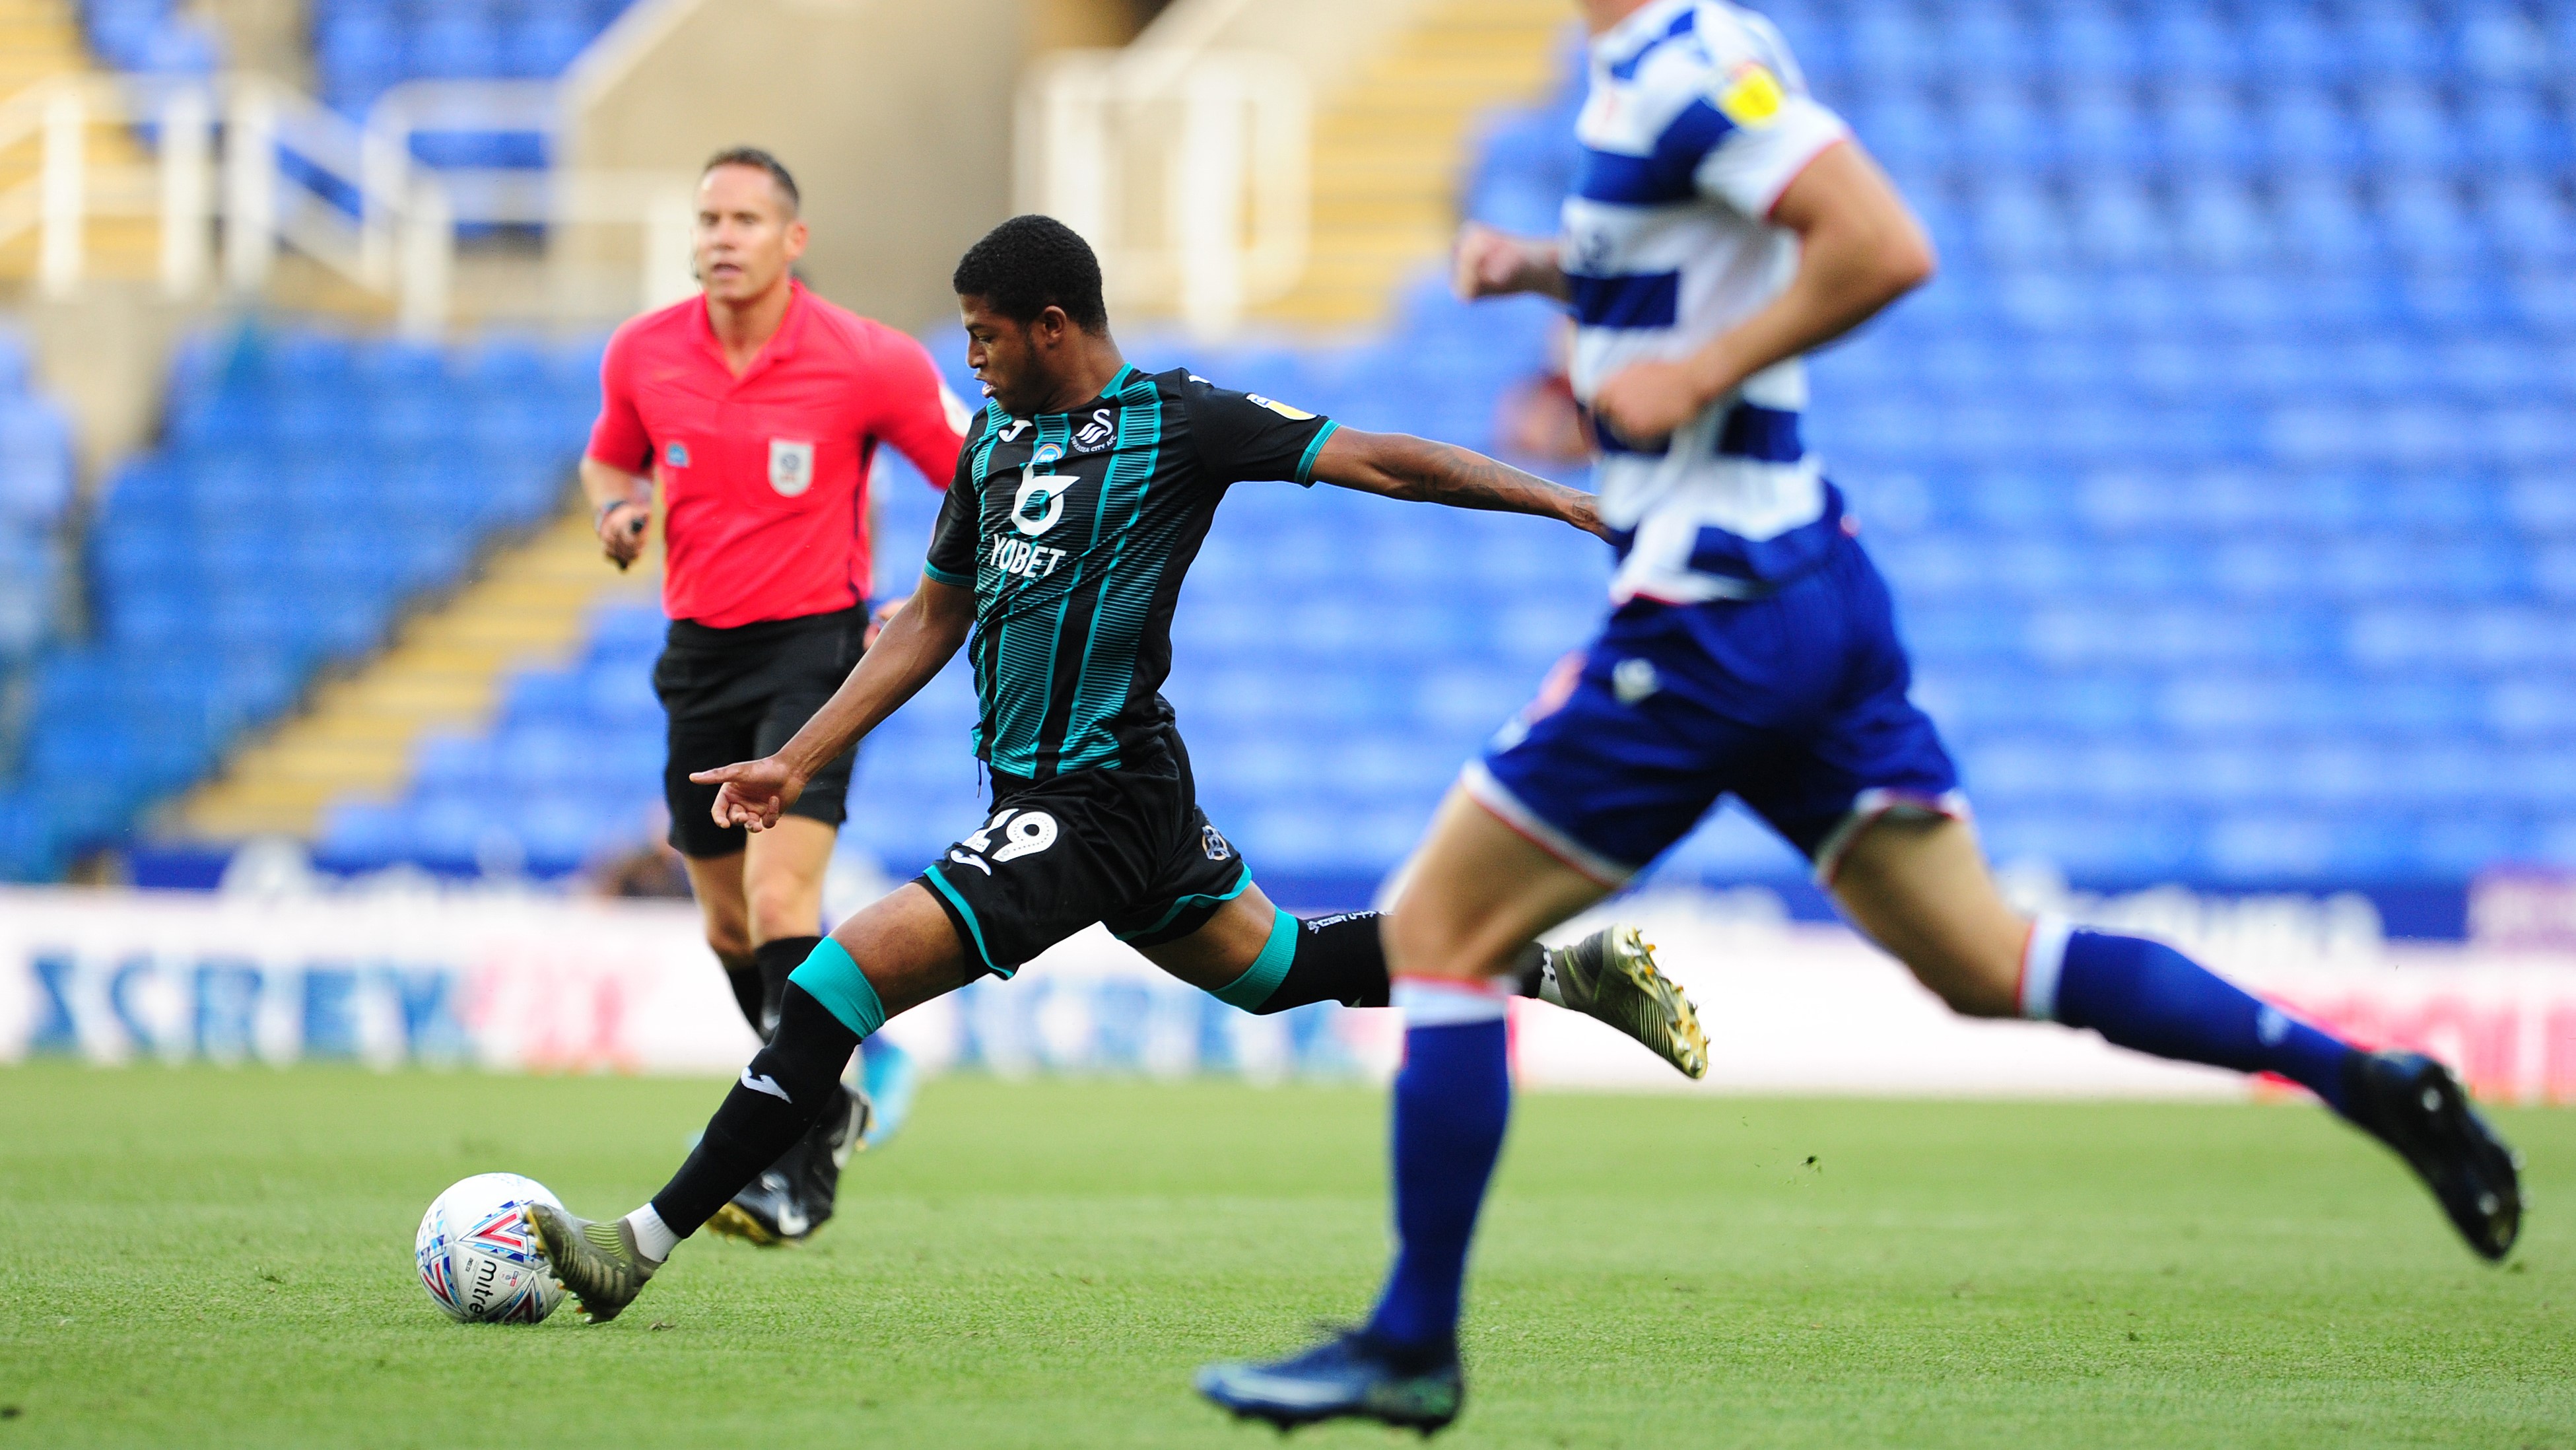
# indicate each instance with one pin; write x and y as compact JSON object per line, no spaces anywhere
{"x":1082,"y":494}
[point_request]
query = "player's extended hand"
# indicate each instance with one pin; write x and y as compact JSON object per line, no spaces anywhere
{"x":752,"y":794}
{"x":882,"y":616}
{"x":1489,"y":263}
{"x":621,"y":531}
{"x":1585,"y":514}
{"x":1644,"y":402}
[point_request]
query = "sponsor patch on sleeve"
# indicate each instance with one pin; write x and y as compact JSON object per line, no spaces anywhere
{"x":1751,"y":96}
{"x":1298,"y":415}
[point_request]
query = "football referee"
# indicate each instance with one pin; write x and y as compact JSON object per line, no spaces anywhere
{"x":757,"y":408}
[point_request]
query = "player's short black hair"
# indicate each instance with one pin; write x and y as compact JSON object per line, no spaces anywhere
{"x":759,"y":160}
{"x":1030,"y":263}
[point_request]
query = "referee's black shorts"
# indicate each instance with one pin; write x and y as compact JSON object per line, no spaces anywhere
{"x":738,"y":694}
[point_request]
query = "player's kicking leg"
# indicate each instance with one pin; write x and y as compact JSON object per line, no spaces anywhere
{"x":782,"y":884}
{"x":1921,"y":889}
{"x":760,"y":902}
{"x":1478,"y":891}
{"x":1609,"y":975}
{"x":828,"y":1007}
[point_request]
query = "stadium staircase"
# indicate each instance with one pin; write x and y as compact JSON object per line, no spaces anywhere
{"x":1389,"y":147}
{"x":354,"y":745}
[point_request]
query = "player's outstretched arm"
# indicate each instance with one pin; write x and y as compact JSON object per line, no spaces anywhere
{"x":1399,"y":465}
{"x":912,"y":647}
{"x":1859,"y":249}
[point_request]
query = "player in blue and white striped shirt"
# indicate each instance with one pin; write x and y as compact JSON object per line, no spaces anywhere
{"x":1723,"y":225}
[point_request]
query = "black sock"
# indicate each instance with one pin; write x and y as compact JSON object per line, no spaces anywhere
{"x":1343,"y":959}
{"x":788,"y":1085}
{"x":776,"y":959}
{"x":1337,"y":959}
{"x":743,"y":975}
{"x":1531,"y":972}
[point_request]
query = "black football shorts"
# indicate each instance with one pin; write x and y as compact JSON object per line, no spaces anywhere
{"x":738,"y":694}
{"x":1130,"y":849}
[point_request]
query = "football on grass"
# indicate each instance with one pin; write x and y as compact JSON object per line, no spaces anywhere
{"x":480,"y":1258}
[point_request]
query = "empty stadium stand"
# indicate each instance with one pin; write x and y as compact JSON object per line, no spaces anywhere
{"x":2228,"y":473}
{"x":2227,"y":477}
{"x":35,"y":498}
{"x":526,"y":605}
{"x":150,"y":37}
{"x":310,"y":489}
{"x":363,"y":47}
{"x":35,"y":503}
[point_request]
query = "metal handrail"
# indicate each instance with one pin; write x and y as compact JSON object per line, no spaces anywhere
{"x":222,"y":145}
{"x":1223,"y":136}
{"x":486,"y":195}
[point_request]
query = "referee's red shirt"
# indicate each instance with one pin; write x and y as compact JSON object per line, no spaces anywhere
{"x":765,"y":477}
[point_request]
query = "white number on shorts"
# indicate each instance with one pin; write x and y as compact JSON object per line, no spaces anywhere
{"x":983,"y":840}
{"x":1028,"y":833}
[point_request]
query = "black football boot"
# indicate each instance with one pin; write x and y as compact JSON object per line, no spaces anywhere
{"x":2413,"y":1104}
{"x":793,"y":1196}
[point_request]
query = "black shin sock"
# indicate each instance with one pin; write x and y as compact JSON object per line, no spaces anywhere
{"x":776,"y":959}
{"x":1337,"y":959}
{"x":1529,"y":972}
{"x":743,"y":975}
{"x":1343,"y":959}
{"x":788,"y":1085}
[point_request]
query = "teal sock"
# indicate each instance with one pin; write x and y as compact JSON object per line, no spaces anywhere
{"x":832,"y":977}
{"x":1260,"y":982}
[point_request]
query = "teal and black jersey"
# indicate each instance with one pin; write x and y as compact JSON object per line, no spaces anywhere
{"x":1074,"y":530}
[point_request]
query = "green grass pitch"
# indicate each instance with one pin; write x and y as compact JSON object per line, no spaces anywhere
{"x":209,"y":1257}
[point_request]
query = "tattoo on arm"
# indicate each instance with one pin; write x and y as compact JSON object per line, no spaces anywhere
{"x":1440,"y":473}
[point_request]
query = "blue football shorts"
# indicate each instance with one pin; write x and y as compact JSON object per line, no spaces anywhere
{"x":1795,"y":703}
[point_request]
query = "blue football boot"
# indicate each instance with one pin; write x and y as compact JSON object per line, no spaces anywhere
{"x":1350,"y":1376}
{"x":890,"y":1078}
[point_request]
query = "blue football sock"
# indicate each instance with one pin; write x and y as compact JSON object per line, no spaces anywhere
{"x":1451,"y":1102}
{"x":2147,"y":996}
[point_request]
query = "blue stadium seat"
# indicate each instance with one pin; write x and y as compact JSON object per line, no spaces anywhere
{"x":2082,"y":44}
{"x":459,"y":763}
{"x":2221,"y":224}
{"x":2188,"y":43}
